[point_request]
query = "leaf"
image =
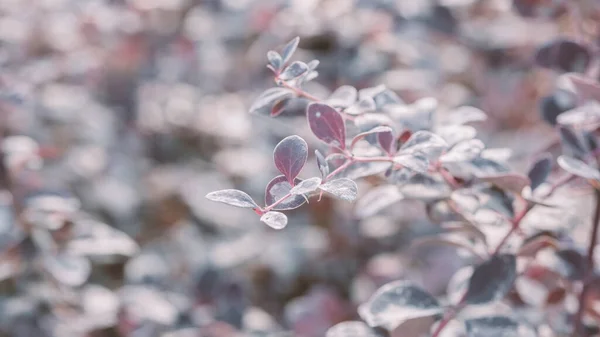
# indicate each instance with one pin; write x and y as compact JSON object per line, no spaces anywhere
{"x":289,"y":49}
{"x":564,"y":55}
{"x":492,"y":279}
{"x":464,"y":115}
{"x":322,"y":163}
{"x":397,"y":302}
{"x":581,"y":116}
{"x":425,"y":187}
{"x":294,"y":71}
{"x":279,"y":187}
{"x":350,"y":329}
{"x":533,"y":245}
{"x":426,"y":143}
{"x":376,"y":130}
{"x":93,"y":238}
{"x":365,"y":104}
{"x":570,"y":141}
{"x":553,"y":105}
{"x":377,"y":199}
{"x":290,"y":156}
{"x":414,"y":161}
{"x":270,"y":97}
{"x":450,"y":239}
{"x":342,"y":188}
{"x":343,"y":97}
{"x":454,"y":134}
{"x":497,"y":326}
{"x":275,"y":220}
{"x":513,"y":182}
{"x":363,"y":169}
{"x":68,"y":269}
{"x":232,"y":197}
{"x":463,"y":151}
{"x":587,"y":89}
{"x":327,"y":124}
{"x":540,"y":170}
{"x":578,"y":168}
{"x":279,"y":107}
{"x":306,"y":186}
{"x":387,"y":141}
{"x":312,"y":65}
{"x":275,"y":59}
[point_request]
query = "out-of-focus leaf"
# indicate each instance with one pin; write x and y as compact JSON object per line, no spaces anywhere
{"x":269,"y":98}
{"x":451,"y":239}
{"x":376,"y":130}
{"x":289,"y":49}
{"x":68,"y":269}
{"x":232,"y":197}
{"x":571,"y":142}
{"x":464,"y":115}
{"x":387,"y":141}
{"x":290,"y":156}
{"x":364,"y":105}
{"x":492,"y":279}
{"x":415,"y":117}
{"x":463,"y":151}
{"x":275,"y":220}
{"x":381,"y":95}
{"x":322,"y":163}
{"x":513,"y":182}
{"x":578,"y":168}
{"x":343,"y":97}
{"x":564,"y":55}
{"x":585,"y":115}
{"x":327,"y":124}
{"x":540,"y":170}
{"x":294,"y":71}
{"x":425,"y":142}
{"x":397,"y":302}
{"x":534,"y":245}
{"x":497,"y":326}
{"x":275,"y":59}
{"x":147,"y":303}
{"x":92,"y":238}
{"x":377,"y":199}
{"x":350,"y":329}
{"x":279,"y":187}
{"x":454,"y":134}
{"x":306,"y":186}
{"x":575,"y":262}
{"x":363,"y":169}
{"x":552,"y":106}
{"x":342,"y":188}
{"x":425,"y":187}
{"x":586,"y":88}
{"x":417,"y":162}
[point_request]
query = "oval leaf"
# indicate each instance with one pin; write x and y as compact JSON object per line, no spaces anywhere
{"x":232,"y":197}
{"x":306,"y":186}
{"x":387,"y":141}
{"x":343,"y":96}
{"x":275,"y":59}
{"x":496,"y":326}
{"x":275,"y":220}
{"x":278,"y":188}
{"x":397,"y":302}
{"x":350,"y":329}
{"x":463,"y":151}
{"x":327,"y":124}
{"x":539,"y":171}
{"x":294,"y":71}
{"x":425,"y":142}
{"x":290,"y":156}
{"x":492,"y":279}
{"x":578,"y":168}
{"x":342,"y":188}
{"x":289,"y":49}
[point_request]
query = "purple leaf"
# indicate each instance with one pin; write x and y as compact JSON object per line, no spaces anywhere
{"x":294,"y":71}
{"x":539,"y":171}
{"x":387,"y":141}
{"x":564,"y":55}
{"x":492,"y":279}
{"x":378,"y":129}
{"x":232,"y":197}
{"x":275,"y":220}
{"x":289,"y":49}
{"x":290,"y":156}
{"x":342,"y":188}
{"x":277,"y":189}
{"x":323,"y":165}
{"x":306,"y":186}
{"x":327,"y":124}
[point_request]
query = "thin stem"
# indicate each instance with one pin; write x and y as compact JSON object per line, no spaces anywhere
{"x":271,"y":206}
{"x":590,"y":265}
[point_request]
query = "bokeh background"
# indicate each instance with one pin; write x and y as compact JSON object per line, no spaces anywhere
{"x":125,"y":113}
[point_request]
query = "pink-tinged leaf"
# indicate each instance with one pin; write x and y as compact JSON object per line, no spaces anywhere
{"x":290,"y":156}
{"x":513,"y":182}
{"x":278,"y":188}
{"x":378,"y":129}
{"x":387,"y":141}
{"x":327,"y":124}
{"x":275,"y":220}
{"x":232,"y":197}
{"x":306,"y":186}
{"x":342,"y":188}
{"x":323,"y":165}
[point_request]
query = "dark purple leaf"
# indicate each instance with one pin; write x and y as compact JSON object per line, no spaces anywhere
{"x":378,"y":129}
{"x":232,"y":197}
{"x":275,"y":220}
{"x":564,"y":55}
{"x":275,"y":59}
{"x":492,"y":279}
{"x":277,"y":189}
{"x":578,"y":168}
{"x":342,"y":188}
{"x":327,"y":124}
{"x":289,"y":49}
{"x":397,"y":302}
{"x":306,"y":186}
{"x":540,"y":170}
{"x":290,"y":156}
{"x":350,"y":329}
{"x":322,"y":163}
{"x":387,"y":141}
{"x":269,"y":98}
{"x":294,"y":71}
{"x":497,"y":326}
